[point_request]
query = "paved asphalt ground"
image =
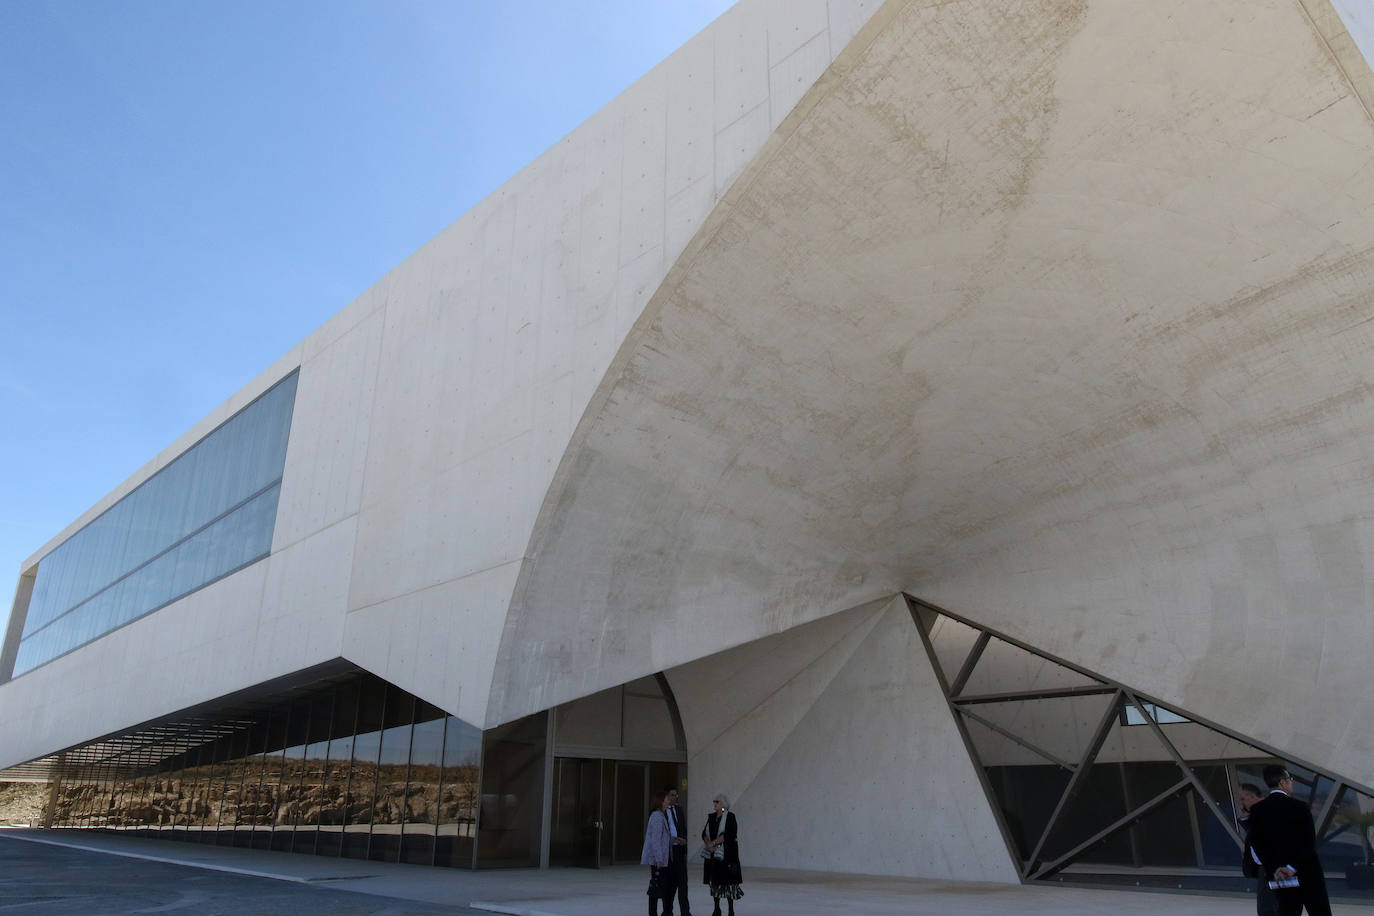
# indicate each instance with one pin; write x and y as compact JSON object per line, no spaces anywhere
{"x":95,"y":872}
{"x":45,"y":880}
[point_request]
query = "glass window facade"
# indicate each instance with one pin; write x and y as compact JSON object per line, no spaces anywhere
{"x":209,"y":512}
{"x":341,"y":763}
{"x":347,"y":766}
{"x":338,"y":762}
{"x":1094,"y":783}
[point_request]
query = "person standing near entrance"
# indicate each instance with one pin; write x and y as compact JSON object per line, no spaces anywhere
{"x":1266,"y":904}
{"x":1284,"y":838}
{"x":657,"y":854}
{"x":677,"y":870}
{"x":721,"y":835}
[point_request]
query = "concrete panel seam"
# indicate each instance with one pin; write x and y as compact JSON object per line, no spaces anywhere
{"x":1331,"y":31}
{"x":867,"y":626}
{"x":420,"y":591}
{"x":870,"y":623}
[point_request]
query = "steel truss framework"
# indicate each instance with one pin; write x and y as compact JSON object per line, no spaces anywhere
{"x":1045,"y":850}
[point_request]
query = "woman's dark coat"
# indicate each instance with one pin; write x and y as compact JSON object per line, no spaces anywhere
{"x":730,"y":847}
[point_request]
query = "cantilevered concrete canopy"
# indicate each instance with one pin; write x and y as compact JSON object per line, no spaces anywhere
{"x":1056,"y":313}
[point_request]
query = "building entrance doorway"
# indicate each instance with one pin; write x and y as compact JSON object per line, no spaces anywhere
{"x":631,"y":809}
{"x":600,"y":807}
{"x":611,"y":751}
{"x":577,"y":824}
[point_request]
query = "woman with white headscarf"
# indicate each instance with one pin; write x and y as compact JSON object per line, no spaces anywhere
{"x":721,"y":836}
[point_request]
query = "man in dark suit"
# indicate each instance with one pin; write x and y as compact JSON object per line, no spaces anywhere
{"x":1266,"y":904}
{"x":677,"y":867}
{"x":1284,"y":838}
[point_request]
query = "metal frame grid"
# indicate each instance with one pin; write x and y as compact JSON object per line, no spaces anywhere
{"x":1039,"y":864}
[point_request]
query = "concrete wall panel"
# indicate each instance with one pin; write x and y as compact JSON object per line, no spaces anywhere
{"x":300,"y":621}
{"x":741,"y":66}
{"x":847,"y":17}
{"x":792,"y":75}
{"x":740,"y":705}
{"x":439,"y":643}
{"x":322,"y":480}
{"x":593,"y":720}
{"x":792,"y":25}
{"x":859,"y":745}
{"x":691,"y":94}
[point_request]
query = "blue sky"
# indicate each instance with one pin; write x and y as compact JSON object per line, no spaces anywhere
{"x":188,"y":188}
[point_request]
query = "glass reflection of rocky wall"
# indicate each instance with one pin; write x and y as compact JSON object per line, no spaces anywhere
{"x":355,"y":767}
{"x":1091,"y":781}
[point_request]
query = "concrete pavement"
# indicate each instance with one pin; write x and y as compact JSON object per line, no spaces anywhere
{"x":325,"y":885}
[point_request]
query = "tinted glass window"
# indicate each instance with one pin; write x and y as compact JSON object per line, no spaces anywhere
{"x":209,"y":512}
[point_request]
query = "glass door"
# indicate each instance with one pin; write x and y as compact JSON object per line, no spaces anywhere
{"x":631,"y":811}
{"x":576,"y":828}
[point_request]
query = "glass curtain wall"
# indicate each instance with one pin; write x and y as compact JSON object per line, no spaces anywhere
{"x":389,"y":810}
{"x":337,"y":767}
{"x":362,"y":779}
{"x":293,"y":766}
{"x":312,"y":800}
{"x":353,"y":767}
{"x":206,"y":514}
{"x":421,"y":801}
{"x":271,"y":762}
{"x":459,"y":787}
{"x":512,"y":800}
{"x":1093,"y":782}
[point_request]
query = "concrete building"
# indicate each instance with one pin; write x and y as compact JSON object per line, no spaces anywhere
{"x":940,"y":420}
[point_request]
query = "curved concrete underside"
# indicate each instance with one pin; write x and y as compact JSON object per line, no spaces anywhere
{"x":1055,"y":313}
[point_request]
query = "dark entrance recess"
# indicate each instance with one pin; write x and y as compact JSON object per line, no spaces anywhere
{"x":600,"y":808}
{"x":631,"y":809}
{"x":576,"y":826}
{"x":1094,"y":782}
{"x":612,"y":750}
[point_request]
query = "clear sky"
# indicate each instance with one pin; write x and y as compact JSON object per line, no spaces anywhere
{"x":1358,"y":16}
{"x":188,"y":188}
